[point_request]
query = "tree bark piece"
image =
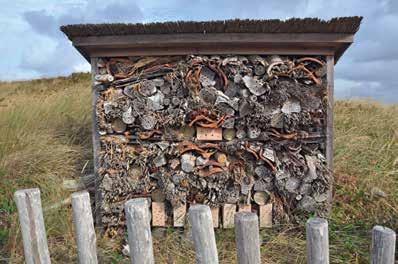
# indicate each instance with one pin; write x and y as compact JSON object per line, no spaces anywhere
{"x":84,"y":228}
{"x":383,"y":245}
{"x":317,"y":241}
{"x":158,"y":214}
{"x":32,"y":226}
{"x":247,"y":238}
{"x":228,"y":213}
{"x":139,"y":231}
{"x":265,"y":213}
{"x":203,"y":234}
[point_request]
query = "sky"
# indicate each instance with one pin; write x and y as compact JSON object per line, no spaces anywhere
{"x":32,"y":46}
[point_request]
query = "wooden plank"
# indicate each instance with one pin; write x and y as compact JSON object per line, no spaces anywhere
{"x":215,"y":214}
{"x":215,"y":38}
{"x":317,"y":241}
{"x":329,"y":111}
{"x":179,"y":215}
{"x":247,"y":238}
{"x":96,"y":145}
{"x":138,"y":221}
{"x":203,"y":234}
{"x":220,"y":50}
{"x":32,"y":226}
{"x":228,"y":214}
{"x":158,"y":214}
{"x":245,"y":208}
{"x":265,"y":215}
{"x":383,"y":245}
{"x":203,"y":133}
{"x":84,"y":227}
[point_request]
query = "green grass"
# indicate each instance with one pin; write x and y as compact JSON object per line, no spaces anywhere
{"x":45,"y":129}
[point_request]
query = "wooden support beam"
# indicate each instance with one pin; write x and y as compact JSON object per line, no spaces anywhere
{"x":245,"y":208}
{"x":158,"y":214}
{"x":265,"y":215}
{"x":228,"y":214}
{"x":179,"y":215}
{"x":203,"y":133}
{"x":215,"y":214}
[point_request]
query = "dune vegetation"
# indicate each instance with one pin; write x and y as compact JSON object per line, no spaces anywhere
{"x":45,"y":139}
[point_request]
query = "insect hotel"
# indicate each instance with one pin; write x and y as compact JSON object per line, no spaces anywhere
{"x":235,"y":114}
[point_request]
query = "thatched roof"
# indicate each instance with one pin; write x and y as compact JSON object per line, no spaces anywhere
{"x":347,"y":25}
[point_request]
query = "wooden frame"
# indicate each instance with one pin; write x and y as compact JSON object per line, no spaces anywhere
{"x":332,"y":46}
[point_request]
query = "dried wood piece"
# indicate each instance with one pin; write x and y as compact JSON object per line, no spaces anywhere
{"x":228,"y":214}
{"x":265,"y":215}
{"x":158,"y":214}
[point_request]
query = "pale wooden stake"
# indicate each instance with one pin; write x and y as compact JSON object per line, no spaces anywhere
{"x":228,"y":213}
{"x":265,"y":215}
{"x":32,"y":226}
{"x":203,"y":234}
{"x":138,"y":220}
{"x":158,"y":214}
{"x":84,"y":228}
{"x":383,"y":245}
{"x":247,"y":238}
{"x":317,"y":241}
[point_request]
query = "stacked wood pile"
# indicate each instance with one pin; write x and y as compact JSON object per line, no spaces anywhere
{"x":246,"y":130}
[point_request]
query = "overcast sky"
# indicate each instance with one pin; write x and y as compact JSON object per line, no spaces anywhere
{"x":31,"y":45}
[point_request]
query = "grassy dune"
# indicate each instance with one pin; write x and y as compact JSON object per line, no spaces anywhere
{"x":45,"y":138}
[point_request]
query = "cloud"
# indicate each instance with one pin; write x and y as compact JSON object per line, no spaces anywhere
{"x":366,"y":69}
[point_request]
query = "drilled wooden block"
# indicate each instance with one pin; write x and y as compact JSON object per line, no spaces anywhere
{"x":179,"y":214}
{"x":245,"y":208}
{"x":158,"y":214}
{"x":228,"y":214}
{"x":215,"y":212}
{"x":208,"y":133}
{"x":265,"y":215}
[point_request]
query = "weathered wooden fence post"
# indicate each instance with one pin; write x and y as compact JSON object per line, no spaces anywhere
{"x":32,"y":226}
{"x":84,"y":228}
{"x":383,"y":245}
{"x":317,"y":241}
{"x":203,"y":234}
{"x":139,"y":231}
{"x":247,"y":238}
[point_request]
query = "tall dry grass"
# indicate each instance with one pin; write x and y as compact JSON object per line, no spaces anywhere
{"x":45,"y":130}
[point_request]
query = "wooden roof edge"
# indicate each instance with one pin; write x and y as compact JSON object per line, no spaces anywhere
{"x":213,"y":43}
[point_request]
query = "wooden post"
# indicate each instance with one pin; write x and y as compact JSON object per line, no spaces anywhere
{"x":228,"y":213}
{"x":203,"y":234}
{"x":247,"y":238}
{"x":138,"y":222}
{"x":32,"y":226}
{"x":317,"y":241}
{"x":383,"y":245}
{"x":329,"y":110}
{"x":265,"y":212}
{"x":84,"y":228}
{"x":96,"y":144}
